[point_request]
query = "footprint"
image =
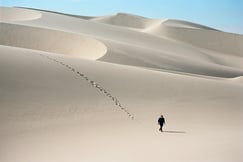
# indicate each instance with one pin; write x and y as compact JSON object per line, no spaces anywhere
{"x":94,"y":84}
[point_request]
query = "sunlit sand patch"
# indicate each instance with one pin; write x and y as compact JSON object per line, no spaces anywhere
{"x":18,"y":14}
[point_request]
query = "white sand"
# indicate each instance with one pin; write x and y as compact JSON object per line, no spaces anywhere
{"x":17,"y":14}
{"x":77,"y":89}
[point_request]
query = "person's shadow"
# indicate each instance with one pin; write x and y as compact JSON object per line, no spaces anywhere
{"x":174,"y":132}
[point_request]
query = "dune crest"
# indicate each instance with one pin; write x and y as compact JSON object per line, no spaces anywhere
{"x":237,"y":79}
{"x":185,"y":24}
{"x":18,"y":14}
{"x":203,"y":37}
{"x":51,"y":41}
{"x":127,"y":20}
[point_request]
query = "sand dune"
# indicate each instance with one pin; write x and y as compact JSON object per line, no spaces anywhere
{"x":128,"y":20}
{"x":76,"y":88}
{"x":185,"y":24}
{"x":137,"y":48}
{"x":51,"y":41}
{"x":213,"y":40}
{"x":18,"y":14}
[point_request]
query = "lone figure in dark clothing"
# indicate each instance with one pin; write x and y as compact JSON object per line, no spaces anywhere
{"x":161,"y":122}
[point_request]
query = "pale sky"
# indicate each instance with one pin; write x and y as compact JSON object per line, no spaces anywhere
{"x":226,"y":15}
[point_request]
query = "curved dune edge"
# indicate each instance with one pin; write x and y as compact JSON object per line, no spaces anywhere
{"x":18,"y":14}
{"x":202,"y":37}
{"x":185,"y":24}
{"x":191,"y":33}
{"x":237,"y":79}
{"x":139,"y":22}
{"x":127,"y":20}
{"x":51,"y":41}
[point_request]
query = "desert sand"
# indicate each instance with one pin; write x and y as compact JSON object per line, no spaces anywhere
{"x":90,"y":89}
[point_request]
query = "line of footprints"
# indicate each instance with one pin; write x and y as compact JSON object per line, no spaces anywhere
{"x":93,"y":83}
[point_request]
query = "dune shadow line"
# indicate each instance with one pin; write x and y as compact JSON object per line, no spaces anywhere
{"x":174,"y":132}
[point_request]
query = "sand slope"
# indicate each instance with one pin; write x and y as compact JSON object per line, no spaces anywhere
{"x":51,"y":41}
{"x":17,"y":14}
{"x":128,"y":20}
{"x":210,"y":39}
{"x":76,"y":89}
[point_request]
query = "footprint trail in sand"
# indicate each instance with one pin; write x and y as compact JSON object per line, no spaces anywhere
{"x":93,"y":83}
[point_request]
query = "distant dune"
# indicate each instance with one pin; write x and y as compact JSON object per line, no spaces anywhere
{"x":79,"y":88}
{"x":127,"y":20}
{"x":201,"y":37}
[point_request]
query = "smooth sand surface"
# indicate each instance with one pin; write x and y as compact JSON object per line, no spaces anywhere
{"x":127,"y":20}
{"x":77,"y":89}
{"x":210,"y":39}
{"x":51,"y":41}
{"x":18,"y":14}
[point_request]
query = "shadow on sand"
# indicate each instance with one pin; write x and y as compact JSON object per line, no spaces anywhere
{"x":173,"y":132}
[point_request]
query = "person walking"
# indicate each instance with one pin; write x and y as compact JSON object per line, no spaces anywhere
{"x":161,"y":122}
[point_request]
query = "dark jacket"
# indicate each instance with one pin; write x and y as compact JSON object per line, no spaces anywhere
{"x":161,"y":121}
